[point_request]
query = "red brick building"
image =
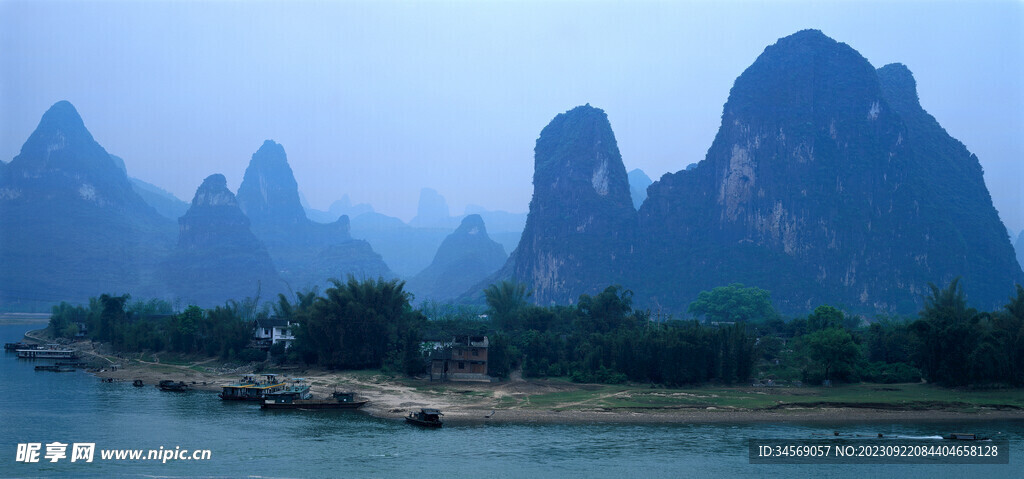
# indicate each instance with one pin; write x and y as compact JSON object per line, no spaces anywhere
{"x":464,"y":360}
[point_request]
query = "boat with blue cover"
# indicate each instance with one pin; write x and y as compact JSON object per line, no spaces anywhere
{"x":252,"y":389}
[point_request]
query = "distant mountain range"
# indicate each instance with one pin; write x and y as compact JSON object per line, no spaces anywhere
{"x":409,"y":248}
{"x":75,"y":225}
{"x":827,"y":183}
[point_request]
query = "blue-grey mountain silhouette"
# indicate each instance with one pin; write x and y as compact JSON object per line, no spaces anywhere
{"x":306,"y":253}
{"x":71,"y":226}
{"x":465,"y":258}
{"x":218,"y":258}
{"x":638,"y":183}
{"x":826,"y":183}
{"x":579,"y":231}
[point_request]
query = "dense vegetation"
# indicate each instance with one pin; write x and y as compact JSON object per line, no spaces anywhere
{"x":359,"y":324}
{"x":371,"y":324}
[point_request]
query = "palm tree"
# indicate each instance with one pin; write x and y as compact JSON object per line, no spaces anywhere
{"x":505,"y":300}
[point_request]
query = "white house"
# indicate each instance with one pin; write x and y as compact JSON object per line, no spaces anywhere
{"x":270,"y":331}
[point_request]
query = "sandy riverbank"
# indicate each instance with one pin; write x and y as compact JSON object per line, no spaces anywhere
{"x":505,"y":402}
{"x":468,"y":403}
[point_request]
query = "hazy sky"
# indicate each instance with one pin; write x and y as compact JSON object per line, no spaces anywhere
{"x":380,"y":99}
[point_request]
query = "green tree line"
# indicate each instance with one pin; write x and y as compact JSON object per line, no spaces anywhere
{"x":736,"y":335}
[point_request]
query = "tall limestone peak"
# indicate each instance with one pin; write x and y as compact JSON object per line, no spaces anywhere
{"x":805,"y":77}
{"x":472,"y":225}
{"x":214,"y":217}
{"x":581,"y":220}
{"x":61,"y":140}
{"x":71,"y":226}
{"x":306,"y":253}
{"x":814,"y":188}
{"x":465,"y":257}
{"x":431,"y":210}
{"x":268,"y":193}
{"x":218,"y":257}
{"x":577,"y":153}
{"x":61,"y":161}
{"x":471,"y":239}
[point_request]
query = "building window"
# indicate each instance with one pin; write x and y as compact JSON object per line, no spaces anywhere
{"x":462,"y":365}
{"x":476,"y":352}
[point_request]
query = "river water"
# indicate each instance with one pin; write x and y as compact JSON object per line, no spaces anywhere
{"x":245,"y":441}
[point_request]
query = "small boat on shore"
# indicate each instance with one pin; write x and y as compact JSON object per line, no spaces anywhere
{"x":138,"y":383}
{"x":337,"y":401}
{"x":173,"y":386}
{"x":425,"y":418}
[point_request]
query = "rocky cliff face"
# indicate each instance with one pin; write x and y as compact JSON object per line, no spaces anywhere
{"x":465,"y":258}
{"x":821,"y":187}
{"x":580,"y":228}
{"x":71,"y":226}
{"x":306,"y":253}
{"x":949,"y":210}
{"x":218,"y":257}
{"x":269,"y":195}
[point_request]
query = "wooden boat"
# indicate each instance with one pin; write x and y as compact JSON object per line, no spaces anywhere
{"x":138,"y":383}
{"x":959,"y":436}
{"x":337,"y":401}
{"x":251,"y":389}
{"x":175,"y":386}
{"x":425,"y":418}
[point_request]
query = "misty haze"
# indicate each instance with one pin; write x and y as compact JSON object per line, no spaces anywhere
{"x":577,"y":212}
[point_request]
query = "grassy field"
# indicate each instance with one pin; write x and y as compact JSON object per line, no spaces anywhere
{"x":873,"y":396}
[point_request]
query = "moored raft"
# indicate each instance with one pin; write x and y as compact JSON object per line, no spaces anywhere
{"x":338,"y":400}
